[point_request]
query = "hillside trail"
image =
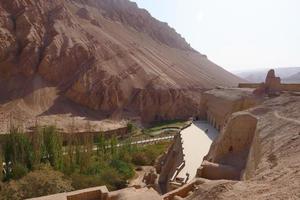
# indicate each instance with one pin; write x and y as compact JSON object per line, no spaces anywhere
{"x":285,"y":118}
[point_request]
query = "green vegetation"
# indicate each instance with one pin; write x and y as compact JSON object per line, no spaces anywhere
{"x":130,"y":127}
{"x":147,"y":155}
{"x":42,"y":181}
{"x":159,"y":127}
{"x":1,"y":161}
{"x":87,"y":161}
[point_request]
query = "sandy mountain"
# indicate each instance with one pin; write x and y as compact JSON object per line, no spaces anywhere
{"x":96,"y":59}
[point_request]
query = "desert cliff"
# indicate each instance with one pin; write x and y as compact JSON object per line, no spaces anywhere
{"x":107,"y":56}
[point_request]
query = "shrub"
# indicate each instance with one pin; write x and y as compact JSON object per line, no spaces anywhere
{"x":43,"y":181}
{"x":130,"y":127}
{"x":93,"y":168}
{"x":147,"y":155}
{"x":1,"y":162}
{"x":126,"y":170}
{"x":108,"y":176}
{"x":18,"y":149}
{"x":112,"y":179}
{"x":140,"y":158}
{"x":81,"y":181}
{"x":125,"y":156}
{"x":18,"y":171}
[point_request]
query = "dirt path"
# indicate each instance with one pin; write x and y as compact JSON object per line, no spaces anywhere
{"x":285,"y":118}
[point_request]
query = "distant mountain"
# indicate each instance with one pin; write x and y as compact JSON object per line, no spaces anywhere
{"x":290,"y":74}
{"x":295,"y":78}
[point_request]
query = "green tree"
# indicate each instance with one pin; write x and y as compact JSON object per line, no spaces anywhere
{"x":125,"y":151}
{"x":125,"y":170}
{"x":101,"y":145}
{"x":86,"y":151}
{"x":18,"y":149}
{"x":113,"y":146}
{"x":53,"y":147}
{"x":70,"y":159}
{"x":130,"y":127}
{"x":1,"y":164}
{"x":37,"y":144}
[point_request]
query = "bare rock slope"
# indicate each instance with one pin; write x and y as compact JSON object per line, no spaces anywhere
{"x":105,"y":55}
{"x":271,"y":170}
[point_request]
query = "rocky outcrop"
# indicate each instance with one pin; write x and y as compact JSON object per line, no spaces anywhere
{"x":108,"y":56}
{"x":272,"y":85}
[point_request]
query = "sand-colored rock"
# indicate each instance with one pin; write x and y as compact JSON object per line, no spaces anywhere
{"x":134,"y":194}
{"x":230,"y":150}
{"x":215,"y":171}
{"x":272,"y":167}
{"x":108,"y":56}
{"x":169,"y":163}
{"x":218,"y":104}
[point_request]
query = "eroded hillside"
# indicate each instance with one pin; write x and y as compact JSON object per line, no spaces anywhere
{"x":108,"y":56}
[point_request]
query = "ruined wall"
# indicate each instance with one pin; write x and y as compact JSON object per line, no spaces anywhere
{"x":253,"y":158}
{"x":228,"y":154}
{"x":249,"y":85}
{"x":183,"y":191}
{"x":289,"y":87}
{"x":169,"y":163}
{"x":271,"y":86}
{"x":221,"y":103}
{"x":94,"y":193}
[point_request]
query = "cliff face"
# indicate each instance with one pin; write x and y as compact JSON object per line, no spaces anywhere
{"x":107,"y":55}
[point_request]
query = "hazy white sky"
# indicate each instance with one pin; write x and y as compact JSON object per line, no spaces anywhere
{"x":236,"y":34}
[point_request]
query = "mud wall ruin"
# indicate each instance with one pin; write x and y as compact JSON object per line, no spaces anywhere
{"x":95,"y":193}
{"x":271,"y":85}
{"x":168,"y":164}
{"x":219,"y":106}
{"x":228,"y":155}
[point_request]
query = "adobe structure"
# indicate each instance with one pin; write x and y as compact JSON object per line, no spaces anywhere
{"x":272,"y":86}
{"x":218,"y":104}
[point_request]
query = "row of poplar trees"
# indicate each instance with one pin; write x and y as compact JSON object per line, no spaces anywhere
{"x":22,"y":153}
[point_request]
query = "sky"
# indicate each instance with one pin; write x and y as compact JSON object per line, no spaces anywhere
{"x":236,"y":34}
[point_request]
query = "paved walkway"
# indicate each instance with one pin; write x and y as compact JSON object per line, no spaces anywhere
{"x":196,"y":144}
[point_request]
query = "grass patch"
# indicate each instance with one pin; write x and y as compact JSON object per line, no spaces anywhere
{"x":148,"y":154}
{"x":157,"y":127}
